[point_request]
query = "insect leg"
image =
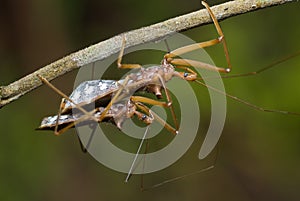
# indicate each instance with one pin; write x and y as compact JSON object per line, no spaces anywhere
{"x":148,"y":100}
{"x":85,"y":117}
{"x":136,"y":155}
{"x":61,"y":106}
{"x":252,"y":73}
{"x":221,"y":39}
{"x":148,"y":111}
{"x":159,"y":103}
{"x":169,"y":101}
{"x":152,"y":116}
{"x":114,"y":99}
{"x":177,"y":178}
{"x":120,"y":65}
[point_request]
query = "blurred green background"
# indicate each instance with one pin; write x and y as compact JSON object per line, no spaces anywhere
{"x":257,"y":157}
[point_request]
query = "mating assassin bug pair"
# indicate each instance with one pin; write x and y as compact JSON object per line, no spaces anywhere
{"x":108,"y":96}
{"x":115,"y":100}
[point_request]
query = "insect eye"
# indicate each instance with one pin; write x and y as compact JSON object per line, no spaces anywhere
{"x":185,"y":74}
{"x":144,"y":117}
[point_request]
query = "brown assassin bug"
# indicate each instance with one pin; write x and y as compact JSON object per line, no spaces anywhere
{"x":151,"y":79}
{"x":117,"y":113}
{"x":105,"y":93}
{"x":156,"y":76}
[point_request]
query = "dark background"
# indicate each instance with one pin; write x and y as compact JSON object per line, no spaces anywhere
{"x":257,"y":156}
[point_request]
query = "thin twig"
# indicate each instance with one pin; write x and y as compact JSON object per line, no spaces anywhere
{"x":111,"y":46}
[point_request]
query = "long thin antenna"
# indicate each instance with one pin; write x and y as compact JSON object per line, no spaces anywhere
{"x":265,"y":68}
{"x":246,"y":102}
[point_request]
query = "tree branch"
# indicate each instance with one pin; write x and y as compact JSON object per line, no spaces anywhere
{"x":111,"y":46}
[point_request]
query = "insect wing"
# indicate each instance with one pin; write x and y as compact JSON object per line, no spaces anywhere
{"x":48,"y":123}
{"x":91,"y":91}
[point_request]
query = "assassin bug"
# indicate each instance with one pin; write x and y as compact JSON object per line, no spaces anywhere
{"x":151,"y":79}
{"x":116,"y":114}
{"x":105,"y":93}
{"x":156,"y":79}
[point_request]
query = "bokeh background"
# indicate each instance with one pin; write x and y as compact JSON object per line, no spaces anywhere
{"x":257,"y":157}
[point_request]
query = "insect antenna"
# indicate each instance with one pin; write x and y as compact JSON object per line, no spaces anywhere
{"x":256,"y":107}
{"x":270,"y":66}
